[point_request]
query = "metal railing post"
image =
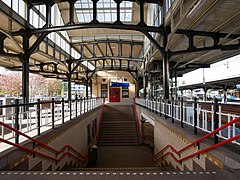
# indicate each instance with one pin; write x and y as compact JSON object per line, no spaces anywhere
{"x":165,"y":109}
{"x":195,"y":115}
{"x":181,"y":109}
{"x":87,"y":104}
{"x":76,"y":99}
{"x":53,"y":113}
{"x":160,"y":107}
{"x":156,"y":106}
{"x":172,"y":109}
{"x":90,"y":103}
{"x":216,"y":120}
{"x":63,"y":111}
{"x":70,"y":108}
{"x":95,"y":100}
{"x":151,"y":104}
{"x":80,"y":106}
{"x":38,"y":117}
{"x":16,"y":124}
{"x":84,"y":105}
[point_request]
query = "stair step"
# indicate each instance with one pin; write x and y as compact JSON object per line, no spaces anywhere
{"x":118,"y":122}
{"x":117,"y":135}
{"x":118,"y":126}
{"x":119,"y":129}
{"x":118,"y":140}
{"x":119,"y":169}
{"x":122,"y":139}
{"x":118,"y":144}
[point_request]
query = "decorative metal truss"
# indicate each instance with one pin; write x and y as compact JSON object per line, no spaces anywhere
{"x":107,"y":58}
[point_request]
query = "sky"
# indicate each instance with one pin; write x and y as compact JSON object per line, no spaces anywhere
{"x":222,"y":70}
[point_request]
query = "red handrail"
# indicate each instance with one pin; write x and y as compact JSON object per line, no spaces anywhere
{"x":198,"y":141}
{"x":137,"y":119}
{"x":199,"y":152}
{"x":38,"y":142}
{"x":41,"y":154}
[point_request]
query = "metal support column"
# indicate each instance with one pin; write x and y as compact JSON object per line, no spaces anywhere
{"x":2,"y":38}
{"x":216,"y":119}
{"x":71,"y":15}
{"x":94,"y":11}
{"x":86,"y":88}
{"x":118,"y":21}
{"x":225,"y":94}
{"x":166,"y":57}
{"x":166,"y":75}
{"x":69,"y":87}
{"x":171,"y":77}
{"x":195,"y":115}
{"x":151,"y":86}
{"x":176,"y":85}
{"x":25,"y":71}
{"x":205,"y":94}
{"x":137,"y":88}
{"x":144,"y":86}
{"x":91,"y":89}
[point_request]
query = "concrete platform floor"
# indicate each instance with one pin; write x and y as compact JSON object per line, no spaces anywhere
{"x":113,"y":175}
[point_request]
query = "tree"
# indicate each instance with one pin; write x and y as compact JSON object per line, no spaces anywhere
{"x":11,"y":84}
{"x":54,"y":87}
{"x":38,"y":85}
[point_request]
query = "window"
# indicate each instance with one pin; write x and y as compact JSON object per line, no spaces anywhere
{"x":125,"y":92}
{"x":106,"y":12}
{"x":104,"y":90}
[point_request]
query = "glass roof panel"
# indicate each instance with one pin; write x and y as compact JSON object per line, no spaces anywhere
{"x":111,"y":37}
{"x":106,"y":11}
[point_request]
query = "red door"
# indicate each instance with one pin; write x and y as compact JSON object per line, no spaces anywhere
{"x":114,"y":94}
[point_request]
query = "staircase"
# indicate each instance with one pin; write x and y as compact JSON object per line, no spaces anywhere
{"x":119,"y":156}
{"x":118,"y":126}
{"x":118,"y":145}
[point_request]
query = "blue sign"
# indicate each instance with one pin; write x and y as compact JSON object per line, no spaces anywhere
{"x":119,"y":84}
{"x":238,"y":86}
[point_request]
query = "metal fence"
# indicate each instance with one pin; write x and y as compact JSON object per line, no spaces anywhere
{"x":204,"y":116}
{"x":37,"y":117}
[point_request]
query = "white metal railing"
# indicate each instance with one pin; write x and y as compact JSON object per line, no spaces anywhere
{"x":35,"y":118}
{"x":184,"y":112}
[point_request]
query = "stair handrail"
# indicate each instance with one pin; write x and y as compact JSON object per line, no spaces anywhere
{"x":40,"y":143}
{"x":198,"y":152}
{"x":41,"y":154}
{"x":198,"y":141}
